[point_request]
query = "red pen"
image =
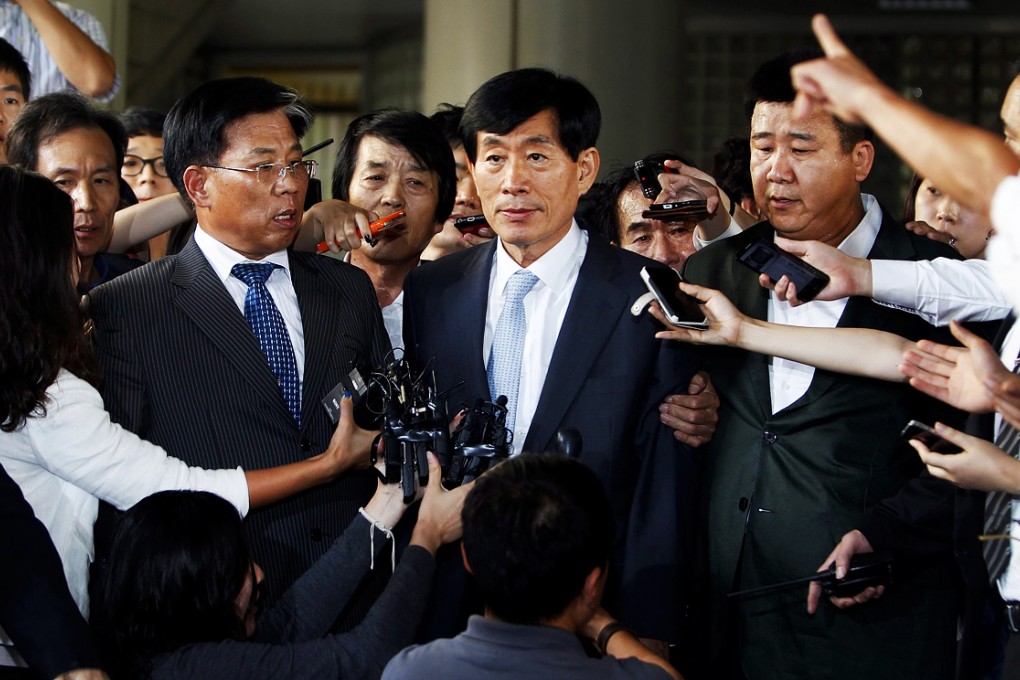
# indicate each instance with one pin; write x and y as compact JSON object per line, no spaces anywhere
{"x":379,"y":225}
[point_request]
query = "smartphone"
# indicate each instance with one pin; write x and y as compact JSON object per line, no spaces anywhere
{"x":929,"y":437}
{"x":677,"y":211}
{"x":765,"y":257}
{"x":681,"y":309}
{"x":647,"y":175}
{"x":470,"y":224}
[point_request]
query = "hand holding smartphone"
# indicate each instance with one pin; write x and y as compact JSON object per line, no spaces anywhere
{"x":915,"y":429}
{"x":680,"y":309}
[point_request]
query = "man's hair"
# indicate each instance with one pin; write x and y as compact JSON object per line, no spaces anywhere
{"x":51,"y":115}
{"x":139,"y":121}
{"x":13,"y":61}
{"x":534,"y":529}
{"x":410,"y":130}
{"x":179,"y":560}
{"x":507,"y":100}
{"x":772,"y":83}
{"x":195,"y":129}
{"x":447,"y":121}
{"x":607,"y":219}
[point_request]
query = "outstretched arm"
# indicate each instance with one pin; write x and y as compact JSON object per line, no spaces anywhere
{"x":86,"y":65}
{"x":963,"y":160}
{"x":135,"y":225}
{"x":876,"y":354}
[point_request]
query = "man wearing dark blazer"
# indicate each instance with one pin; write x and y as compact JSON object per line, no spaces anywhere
{"x":804,"y":458}
{"x":184,"y":369}
{"x":587,"y":362}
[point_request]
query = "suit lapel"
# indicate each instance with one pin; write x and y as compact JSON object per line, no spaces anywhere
{"x":201,"y":296}
{"x":319,"y":321}
{"x":464,"y":315}
{"x":752,"y":299}
{"x":592,"y":314}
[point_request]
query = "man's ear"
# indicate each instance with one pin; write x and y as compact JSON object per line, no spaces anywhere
{"x":463,"y":556}
{"x":594,"y":583}
{"x":194,"y":184}
{"x":864,"y":158}
{"x":588,"y":162}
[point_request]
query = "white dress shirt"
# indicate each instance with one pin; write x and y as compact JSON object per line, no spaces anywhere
{"x":1003,"y":250}
{"x":1009,"y":585}
{"x":545,"y":307}
{"x":789,"y":380}
{"x":17,"y":29}
{"x":393,"y":320}
{"x":68,"y":459}
{"x":222,"y":259}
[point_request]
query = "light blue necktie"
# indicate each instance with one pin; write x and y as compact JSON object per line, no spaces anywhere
{"x":504,"y":366}
{"x":267,"y":324}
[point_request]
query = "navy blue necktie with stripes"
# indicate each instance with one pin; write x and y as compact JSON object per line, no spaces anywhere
{"x":267,"y":324}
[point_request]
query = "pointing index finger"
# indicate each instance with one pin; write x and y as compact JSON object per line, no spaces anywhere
{"x":827,"y":37}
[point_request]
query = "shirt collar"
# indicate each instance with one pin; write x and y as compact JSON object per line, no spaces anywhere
{"x":862,"y":239}
{"x":222,"y":258}
{"x":552,"y":269}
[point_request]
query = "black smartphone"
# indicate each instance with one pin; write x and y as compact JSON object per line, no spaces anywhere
{"x":470,"y":224}
{"x":681,"y":309}
{"x":678,"y":211}
{"x":765,"y":257}
{"x":915,"y":429}
{"x":647,"y":175}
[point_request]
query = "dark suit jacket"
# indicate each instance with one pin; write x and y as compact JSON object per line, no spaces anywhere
{"x":607,"y":376}
{"x":782,"y":489}
{"x":183,"y":370}
{"x":36,"y":608}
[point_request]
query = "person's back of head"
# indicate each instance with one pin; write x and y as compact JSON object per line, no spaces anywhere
{"x":52,"y":115}
{"x":40,"y":322}
{"x":535,"y":527}
{"x":410,"y":130}
{"x":194,"y":131}
{"x":505,"y":101}
{"x":178,"y":562}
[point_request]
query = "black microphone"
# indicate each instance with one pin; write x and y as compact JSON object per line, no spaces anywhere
{"x":569,"y":442}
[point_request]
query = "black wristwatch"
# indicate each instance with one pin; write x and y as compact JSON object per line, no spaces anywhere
{"x":608,"y":631}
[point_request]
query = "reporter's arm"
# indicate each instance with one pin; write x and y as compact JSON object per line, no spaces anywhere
{"x":965,"y":161}
{"x":85,"y":64}
{"x":136,"y":224}
{"x":623,"y":644}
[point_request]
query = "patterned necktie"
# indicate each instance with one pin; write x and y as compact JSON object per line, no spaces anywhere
{"x":267,"y":324}
{"x":504,"y":366}
{"x":999,"y":509}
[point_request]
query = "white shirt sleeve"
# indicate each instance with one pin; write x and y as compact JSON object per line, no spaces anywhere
{"x":732,"y":230}
{"x":939,"y":290}
{"x":77,"y":442}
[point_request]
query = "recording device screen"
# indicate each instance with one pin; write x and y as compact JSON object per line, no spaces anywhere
{"x":680,"y":308}
{"x":767,"y":258}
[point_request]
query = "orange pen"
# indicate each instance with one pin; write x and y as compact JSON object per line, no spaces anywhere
{"x":379,"y":225}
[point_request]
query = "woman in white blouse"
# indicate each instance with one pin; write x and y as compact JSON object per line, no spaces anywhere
{"x":56,"y":438}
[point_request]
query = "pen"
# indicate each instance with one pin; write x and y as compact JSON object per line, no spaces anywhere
{"x":381,"y":224}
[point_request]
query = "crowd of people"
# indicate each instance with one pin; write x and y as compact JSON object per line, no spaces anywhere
{"x":180,"y":499}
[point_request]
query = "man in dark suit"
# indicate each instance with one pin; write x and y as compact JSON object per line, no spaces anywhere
{"x":803,"y":457}
{"x":583,"y":360}
{"x":182,"y":356}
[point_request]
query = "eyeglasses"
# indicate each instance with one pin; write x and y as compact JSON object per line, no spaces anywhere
{"x":271,"y":173}
{"x":135,"y":165}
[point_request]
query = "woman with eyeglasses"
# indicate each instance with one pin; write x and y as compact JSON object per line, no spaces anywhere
{"x":56,"y":438}
{"x":182,"y":597}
